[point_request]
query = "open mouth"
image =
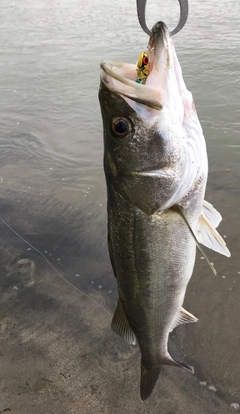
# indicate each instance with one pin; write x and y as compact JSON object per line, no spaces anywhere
{"x":119,"y":78}
{"x":122,"y":78}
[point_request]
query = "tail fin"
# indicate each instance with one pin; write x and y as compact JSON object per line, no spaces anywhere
{"x":149,"y":378}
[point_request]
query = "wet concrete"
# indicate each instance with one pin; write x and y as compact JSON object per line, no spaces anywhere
{"x":58,"y":354}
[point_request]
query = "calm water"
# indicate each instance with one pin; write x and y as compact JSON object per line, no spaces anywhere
{"x":51,"y":178}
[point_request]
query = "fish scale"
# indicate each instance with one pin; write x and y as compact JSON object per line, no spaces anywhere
{"x":141,"y":244}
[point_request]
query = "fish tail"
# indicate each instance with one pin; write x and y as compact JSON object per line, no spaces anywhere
{"x":149,"y":378}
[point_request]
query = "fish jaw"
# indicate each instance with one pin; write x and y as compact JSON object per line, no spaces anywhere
{"x":161,"y":91}
{"x":120,"y":78}
{"x":163,"y":72}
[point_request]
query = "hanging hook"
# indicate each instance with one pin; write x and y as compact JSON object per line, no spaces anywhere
{"x":141,"y":8}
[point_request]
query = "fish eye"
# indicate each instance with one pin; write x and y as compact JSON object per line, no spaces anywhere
{"x":121,"y":127}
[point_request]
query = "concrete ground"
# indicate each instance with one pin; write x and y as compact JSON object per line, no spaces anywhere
{"x":58,"y":354}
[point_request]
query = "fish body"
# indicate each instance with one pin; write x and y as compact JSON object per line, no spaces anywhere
{"x":155,"y":163}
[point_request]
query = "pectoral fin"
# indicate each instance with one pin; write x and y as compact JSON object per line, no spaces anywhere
{"x":182,"y":213}
{"x":121,"y":327}
{"x":209,"y":237}
{"x":212,"y":214}
{"x":184,"y":317}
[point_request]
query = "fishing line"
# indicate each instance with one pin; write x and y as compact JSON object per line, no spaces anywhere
{"x":54,"y":269}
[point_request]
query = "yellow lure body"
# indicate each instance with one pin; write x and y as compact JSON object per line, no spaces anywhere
{"x":142,"y":68}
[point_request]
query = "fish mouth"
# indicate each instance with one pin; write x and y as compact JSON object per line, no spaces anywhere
{"x":159,"y":47}
{"x":118,"y":77}
{"x":121,"y":77}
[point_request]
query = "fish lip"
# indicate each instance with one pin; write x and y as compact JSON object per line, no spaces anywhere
{"x":120,"y":78}
{"x":158,"y":46}
{"x":107,"y":68}
{"x":160,"y":33}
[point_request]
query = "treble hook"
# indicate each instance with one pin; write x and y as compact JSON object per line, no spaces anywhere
{"x":141,"y":7}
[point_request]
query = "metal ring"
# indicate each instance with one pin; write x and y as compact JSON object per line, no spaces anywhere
{"x":141,"y":8}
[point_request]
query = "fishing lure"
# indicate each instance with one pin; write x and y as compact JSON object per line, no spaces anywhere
{"x":142,"y":68}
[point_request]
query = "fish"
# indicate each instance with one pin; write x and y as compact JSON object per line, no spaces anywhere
{"x":156,"y":169}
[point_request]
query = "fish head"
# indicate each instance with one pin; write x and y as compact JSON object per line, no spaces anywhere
{"x":145,"y":148}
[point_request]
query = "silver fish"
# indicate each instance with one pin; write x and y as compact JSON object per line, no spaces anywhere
{"x":156,"y":171}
